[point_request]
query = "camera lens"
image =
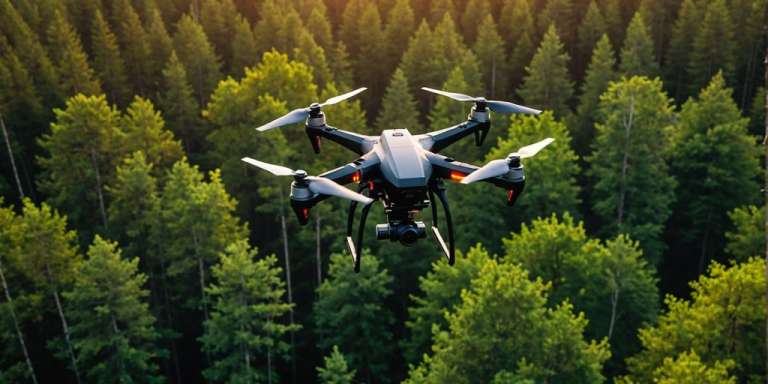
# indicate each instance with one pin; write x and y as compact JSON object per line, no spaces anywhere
{"x":409,"y":235}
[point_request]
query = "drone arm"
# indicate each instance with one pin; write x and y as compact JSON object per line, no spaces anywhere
{"x":355,"y":142}
{"x":446,"y":168}
{"x":438,"y":140}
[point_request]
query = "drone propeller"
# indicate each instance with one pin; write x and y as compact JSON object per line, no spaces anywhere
{"x":301,"y":114}
{"x":495,"y":168}
{"x":316,"y":184}
{"x":494,"y":105}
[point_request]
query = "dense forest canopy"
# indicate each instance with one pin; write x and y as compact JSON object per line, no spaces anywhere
{"x":136,"y":247}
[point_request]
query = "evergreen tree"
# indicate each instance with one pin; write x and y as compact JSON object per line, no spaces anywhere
{"x":74,"y":73}
{"x":309,"y":52}
{"x":349,"y":312}
{"x":196,"y":54}
{"x":474,"y":16}
{"x":599,"y":74}
{"x":112,"y":329}
{"x":160,"y":48}
{"x":632,"y":192}
{"x":514,"y":22}
{"x":440,"y":10}
{"x":48,"y":257}
{"x":350,"y":22}
{"x":747,"y":239}
{"x":398,"y":107}
{"x":369,"y":64}
{"x":399,"y":27}
{"x":757,"y":113}
{"x":489,"y":48}
{"x":559,"y":13}
{"x":730,"y":321}
{"x":144,"y":130}
{"x":713,"y":46}
{"x":680,"y":46}
{"x":107,"y":62}
{"x":340,"y":66}
{"x":136,"y":49}
{"x":217,"y":17}
{"x":335,"y":370}
{"x":247,"y":303}
{"x":539,"y":343}
{"x":714,"y":150}
{"x":657,"y":15}
{"x":591,"y":29}
{"x":243,"y":47}
{"x":687,"y":368}
{"x":614,"y":20}
{"x":321,"y":26}
{"x":637,"y":53}
{"x":179,"y":105}
{"x":547,"y":84}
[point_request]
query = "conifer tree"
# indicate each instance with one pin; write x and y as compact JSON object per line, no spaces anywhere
{"x":341,"y":66}
{"x":309,"y":52}
{"x":547,"y":84}
{"x":714,"y":149}
{"x":657,"y":15}
{"x":112,"y":329}
{"x":560,"y":14}
{"x":145,"y":131}
{"x":400,"y":25}
{"x":50,"y":261}
{"x":599,"y":74}
{"x":489,"y":48}
{"x":637,"y":53}
{"x":335,"y":370}
{"x":439,"y":10}
{"x":349,"y":313}
{"x":321,"y":26}
{"x":591,"y":29}
{"x":515,"y":21}
{"x":474,"y":15}
{"x":614,"y":20}
{"x":74,"y":72}
{"x":680,"y":46}
{"x":243,"y":47}
{"x":632,"y":191}
{"x":713,"y":46}
{"x":369,"y":64}
{"x":160,"y":48}
{"x":747,"y":238}
{"x":198,"y":57}
{"x":107,"y":63}
{"x":757,"y":113}
{"x":179,"y":105}
{"x":350,"y":22}
{"x":247,"y":304}
{"x":217,"y":18}
{"x":136,"y":49}
{"x":398,"y":107}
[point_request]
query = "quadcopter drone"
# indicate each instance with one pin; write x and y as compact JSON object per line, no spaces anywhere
{"x":403,"y":171}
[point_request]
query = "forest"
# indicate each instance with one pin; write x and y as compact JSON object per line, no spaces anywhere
{"x":136,"y":247}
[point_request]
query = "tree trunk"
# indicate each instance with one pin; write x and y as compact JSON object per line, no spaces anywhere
{"x":13,"y":162}
{"x":614,"y":304}
{"x":65,"y":328}
{"x":625,"y":163}
{"x":289,"y":290}
{"x":16,"y":324}
{"x":317,"y":251}
{"x":117,"y":333}
{"x":99,"y":191}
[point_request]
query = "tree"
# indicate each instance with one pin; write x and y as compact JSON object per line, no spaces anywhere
{"x":714,"y":149}
{"x":107,"y":62}
{"x":349,"y":312}
{"x":713,"y":46}
{"x":600,"y":73}
{"x":398,"y":29}
{"x":610,"y":282}
{"x":112,"y":329}
{"x":560,"y":14}
{"x":489,"y":48}
{"x":757,"y":113}
{"x":198,"y":57}
{"x":747,"y":238}
{"x":637,"y":53}
{"x":160,"y":49}
{"x":247,"y":303}
{"x":539,"y":343}
{"x":180,"y":107}
{"x":75,"y":75}
{"x":243,"y":47}
{"x":440,"y":293}
{"x":517,"y":28}
{"x":398,"y":107}
{"x":335,"y":370}
{"x":369,"y":64}
{"x":84,"y":147}
{"x":144,"y":130}
{"x":680,"y":46}
{"x":136,"y":49}
{"x":474,"y":11}
{"x":591,"y":30}
{"x":48,"y":257}
{"x":632,"y":192}
{"x":547,"y":84}
{"x":687,"y":368}
{"x":727,"y":306}
{"x":309,"y":52}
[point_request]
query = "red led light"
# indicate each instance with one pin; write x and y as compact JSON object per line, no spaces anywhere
{"x":457,"y":176}
{"x":510,"y":195}
{"x":305,"y":212}
{"x":356,"y":177}
{"x":370,"y":185}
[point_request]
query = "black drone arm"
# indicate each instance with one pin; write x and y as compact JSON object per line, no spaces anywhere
{"x":355,"y":142}
{"x":438,"y":140}
{"x":446,"y":168}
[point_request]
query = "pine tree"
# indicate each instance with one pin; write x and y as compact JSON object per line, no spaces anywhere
{"x":632,"y":191}
{"x":514,"y":22}
{"x":341,"y":66}
{"x":350,"y":22}
{"x":399,"y":27}
{"x":321,"y":26}
{"x":243,"y":47}
{"x":680,"y":47}
{"x":114,"y":339}
{"x":196,"y":54}
{"x":349,"y":312}
{"x":614,"y":20}
{"x":335,"y":370}
{"x":489,"y":48}
{"x":136,"y":49}
{"x":713,"y":46}
{"x":369,"y":65}
{"x":747,"y":239}
{"x":474,"y":15}
{"x":547,"y":84}
{"x":439,"y":10}
{"x":107,"y":63}
{"x":590,"y":31}
{"x":657,"y":15}
{"x":687,"y":368}
{"x":244,"y":327}
{"x":757,"y":113}
{"x":75,"y":75}
{"x":145,"y":131}
{"x":560,"y":14}
{"x":398,"y":107}
{"x":637,"y":53}
{"x":312,"y":54}
{"x":160,"y":48}
{"x":179,"y":105}
{"x":50,"y":261}
{"x":714,"y":149}
{"x":599,"y":74}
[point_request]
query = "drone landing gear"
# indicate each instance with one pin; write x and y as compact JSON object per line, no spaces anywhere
{"x":449,"y":251}
{"x":355,"y":249}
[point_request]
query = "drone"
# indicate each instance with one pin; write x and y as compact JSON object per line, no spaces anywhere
{"x":402,"y":170}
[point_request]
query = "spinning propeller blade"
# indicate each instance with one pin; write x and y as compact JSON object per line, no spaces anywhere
{"x":494,"y":105}
{"x":301,"y":114}
{"x":495,"y":168}
{"x":316,"y":184}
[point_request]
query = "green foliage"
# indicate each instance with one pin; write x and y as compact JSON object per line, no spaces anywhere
{"x":440,"y":293}
{"x":398,"y":29}
{"x":724,"y":320}
{"x":144,"y":130}
{"x":713,"y":46}
{"x":137,"y":50}
{"x":591,"y":30}
{"x":107,"y":62}
{"x":638,"y":54}
{"x":74,"y":72}
{"x":687,"y":368}
{"x":680,"y":47}
{"x":243,"y":47}
{"x":748,"y":236}
{"x":539,"y":343}
{"x":517,"y":28}
{"x":112,"y":329}
{"x":398,"y":107}
{"x":489,"y":48}
{"x":600,"y":73}
{"x":198,"y":57}
{"x":349,"y":312}
{"x":160,"y":49}
{"x":335,"y":370}
{"x":247,"y":304}
{"x":632,"y":192}
{"x":179,"y":104}
{"x":547,"y":84}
